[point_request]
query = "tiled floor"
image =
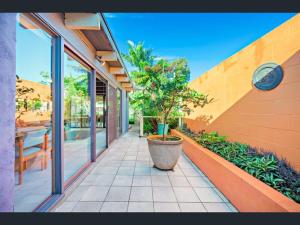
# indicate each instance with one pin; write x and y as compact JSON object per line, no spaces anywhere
{"x":124,"y":180}
{"x":36,"y":186}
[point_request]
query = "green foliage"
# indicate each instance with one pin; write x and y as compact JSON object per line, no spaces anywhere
{"x":162,"y":85}
{"x":131,"y":121}
{"x":263,"y":165}
{"x":149,"y":127}
{"x":24,"y":101}
{"x":173,"y":123}
{"x":76,"y":91}
{"x":37,"y":104}
{"x":211,"y":138}
{"x":138,"y":57}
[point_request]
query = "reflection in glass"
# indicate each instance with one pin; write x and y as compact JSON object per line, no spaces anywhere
{"x":33,"y":115}
{"x":77,"y":149}
{"x":100,"y":116}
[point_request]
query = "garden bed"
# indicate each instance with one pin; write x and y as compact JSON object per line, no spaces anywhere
{"x":246,"y":193}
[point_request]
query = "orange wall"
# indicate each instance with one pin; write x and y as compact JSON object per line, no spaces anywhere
{"x":266,"y":119}
{"x":41,"y":91}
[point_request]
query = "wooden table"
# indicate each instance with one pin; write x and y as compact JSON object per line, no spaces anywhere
{"x":21,"y":131}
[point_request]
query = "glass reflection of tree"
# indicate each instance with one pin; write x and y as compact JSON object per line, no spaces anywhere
{"x":24,"y":99}
{"x":76,"y":93}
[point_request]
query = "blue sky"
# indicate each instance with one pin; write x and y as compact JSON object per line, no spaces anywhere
{"x":34,"y":55}
{"x":204,"y":39}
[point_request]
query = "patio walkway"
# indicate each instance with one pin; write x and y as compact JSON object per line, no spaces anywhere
{"x":125,"y":181}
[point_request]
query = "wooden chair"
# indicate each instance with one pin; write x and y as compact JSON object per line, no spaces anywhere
{"x":30,"y":146}
{"x":48,"y":146}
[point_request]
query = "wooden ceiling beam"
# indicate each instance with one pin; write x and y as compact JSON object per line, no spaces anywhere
{"x":82,"y":21}
{"x":116,"y":70}
{"x":107,"y":56}
{"x":128,"y":89}
{"x":126,"y":85}
{"x":122,"y":78}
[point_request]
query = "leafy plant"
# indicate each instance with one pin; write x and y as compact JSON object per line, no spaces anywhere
{"x":168,"y":85}
{"x":131,"y":121}
{"x":259,"y":163}
{"x":24,"y":99}
{"x":163,"y":84}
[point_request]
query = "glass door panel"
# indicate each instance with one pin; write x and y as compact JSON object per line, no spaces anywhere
{"x":77,"y":137}
{"x":33,"y":166}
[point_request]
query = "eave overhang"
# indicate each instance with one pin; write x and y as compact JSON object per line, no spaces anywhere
{"x":95,"y":29}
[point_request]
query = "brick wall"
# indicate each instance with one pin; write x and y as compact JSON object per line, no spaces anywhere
{"x":112,"y":114}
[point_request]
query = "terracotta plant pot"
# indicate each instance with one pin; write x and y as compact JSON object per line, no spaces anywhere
{"x":164,"y":154}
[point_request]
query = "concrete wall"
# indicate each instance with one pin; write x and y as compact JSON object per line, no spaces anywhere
{"x":7,"y":109}
{"x":267,"y":119}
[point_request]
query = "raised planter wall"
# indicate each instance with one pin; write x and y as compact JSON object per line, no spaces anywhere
{"x":244,"y":191}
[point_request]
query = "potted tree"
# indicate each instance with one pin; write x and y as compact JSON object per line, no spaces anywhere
{"x":161,"y":90}
{"x":168,"y":87}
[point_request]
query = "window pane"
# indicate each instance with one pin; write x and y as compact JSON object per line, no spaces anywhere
{"x":33,"y":115}
{"x":77,"y":149}
{"x":100,"y":116}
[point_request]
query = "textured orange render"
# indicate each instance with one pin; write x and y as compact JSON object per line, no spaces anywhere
{"x":266,"y":119}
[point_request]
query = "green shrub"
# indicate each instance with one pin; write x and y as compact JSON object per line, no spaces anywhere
{"x":261,"y":164}
{"x":131,"y":121}
{"x":150,"y":126}
{"x":173,"y":123}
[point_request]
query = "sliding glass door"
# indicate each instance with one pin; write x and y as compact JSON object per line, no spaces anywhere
{"x":77,"y":105}
{"x":101,"y":108}
{"x":33,"y":118}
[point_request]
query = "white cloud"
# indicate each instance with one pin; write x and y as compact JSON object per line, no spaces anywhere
{"x":168,"y":57}
{"x":110,"y":15}
{"x":122,"y":15}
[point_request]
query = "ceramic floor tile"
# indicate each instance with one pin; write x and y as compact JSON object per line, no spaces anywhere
{"x":178,"y":181}
{"x":163,"y":194}
{"x":166,"y":207}
{"x":143,"y":171}
{"x":122,"y":180}
{"x":198,"y":182}
{"x":140,"y":207}
{"x":185,"y":194}
{"x":192,"y":207}
{"x":208,"y":195}
{"x":126,"y":171}
{"x":77,"y":194}
{"x":66,"y":207}
{"x":114,"y":207}
{"x":216,"y":207}
{"x":95,"y":193}
{"x":118,"y":194}
{"x":141,"y":181}
{"x":87,"y":207}
{"x":157,"y":172}
{"x":189,"y":172}
{"x":141,"y":194}
{"x":104,"y":180}
{"x":160,"y":181}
